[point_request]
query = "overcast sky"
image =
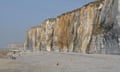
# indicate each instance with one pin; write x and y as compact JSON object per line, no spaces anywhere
{"x":17,"y":16}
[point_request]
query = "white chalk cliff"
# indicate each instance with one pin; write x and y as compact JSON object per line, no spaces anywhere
{"x":93,"y":28}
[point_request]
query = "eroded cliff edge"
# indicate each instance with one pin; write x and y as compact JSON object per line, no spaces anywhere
{"x":89,"y":29}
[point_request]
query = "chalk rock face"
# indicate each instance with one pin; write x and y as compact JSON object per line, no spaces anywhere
{"x":74,"y":29}
{"x":41,"y":37}
{"x":48,"y":34}
{"x":32,"y":38}
{"x":89,"y":29}
{"x":107,"y":42}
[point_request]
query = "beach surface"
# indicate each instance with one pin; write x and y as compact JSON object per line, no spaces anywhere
{"x":61,"y":62}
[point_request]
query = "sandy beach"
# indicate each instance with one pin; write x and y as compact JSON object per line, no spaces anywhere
{"x":61,"y":62}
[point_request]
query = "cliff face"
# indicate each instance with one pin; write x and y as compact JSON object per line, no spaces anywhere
{"x":89,"y":29}
{"x":40,"y":37}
